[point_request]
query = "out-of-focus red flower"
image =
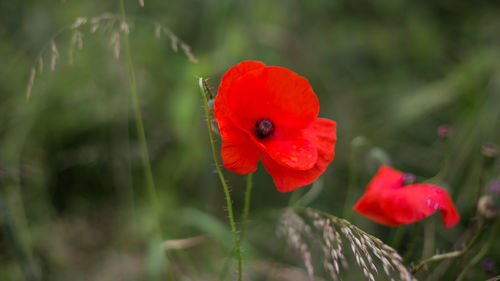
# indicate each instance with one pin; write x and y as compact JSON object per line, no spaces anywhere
{"x":387,"y":200}
{"x":270,"y":112}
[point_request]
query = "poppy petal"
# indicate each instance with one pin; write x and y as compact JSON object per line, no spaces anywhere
{"x":386,"y":178}
{"x":417,"y":201}
{"x":296,"y":152}
{"x":369,"y":206}
{"x":275,"y":93}
{"x":239,"y":153}
{"x":236,"y":72}
{"x":322,"y":133}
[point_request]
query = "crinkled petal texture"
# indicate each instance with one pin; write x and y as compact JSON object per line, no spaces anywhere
{"x":389,"y":202}
{"x":300,"y":146}
{"x":322,"y":133}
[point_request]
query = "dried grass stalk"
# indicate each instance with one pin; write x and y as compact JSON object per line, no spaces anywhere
{"x":108,"y":24}
{"x":327,"y":232}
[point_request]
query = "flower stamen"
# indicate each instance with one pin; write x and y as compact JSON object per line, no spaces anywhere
{"x":263,"y":128}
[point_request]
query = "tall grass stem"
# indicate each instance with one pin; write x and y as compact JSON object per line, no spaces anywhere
{"x":148,"y":173}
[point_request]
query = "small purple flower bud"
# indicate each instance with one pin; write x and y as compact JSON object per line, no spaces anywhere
{"x":409,"y":178}
{"x":444,"y":131}
{"x":488,"y":264}
{"x":494,"y":186}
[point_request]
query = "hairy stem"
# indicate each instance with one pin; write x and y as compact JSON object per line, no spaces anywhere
{"x":222,"y":179}
{"x":246,"y":210}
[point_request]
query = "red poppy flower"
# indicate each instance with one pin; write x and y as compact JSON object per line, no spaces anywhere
{"x":270,"y":112}
{"x":389,"y":201}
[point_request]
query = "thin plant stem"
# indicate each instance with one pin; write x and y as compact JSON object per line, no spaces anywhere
{"x":443,"y":169}
{"x":443,"y":172}
{"x":479,"y":192}
{"x":473,"y":232}
{"x":296,"y":195}
{"x":189,"y":264}
{"x":413,"y":242}
{"x":351,"y":182}
{"x":450,"y":255}
{"x":396,"y":238}
{"x":246,"y":210}
{"x":13,"y":237}
{"x":429,"y":237}
{"x":483,"y":252}
{"x":148,"y":173}
{"x":311,"y":194}
{"x":222,"y":179}
{"x":356,"y":143}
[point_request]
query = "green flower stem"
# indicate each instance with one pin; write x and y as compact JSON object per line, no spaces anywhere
{"x":413,"y":241}
{"x":12,"y":236}
{"x":356,"y":144}
{"x":450,"y":255}
{"x":246,"y":210}
{"x":443,"y":172}
{"x":429,"y":237}
{"x":397,"y":237}
{"x":148,"y":173}
{"x":311,"y":194}
{"x":483,"y":252}
{"x":351,"y":184}
{"x":222,"y":179}
{"x":480,"y":185}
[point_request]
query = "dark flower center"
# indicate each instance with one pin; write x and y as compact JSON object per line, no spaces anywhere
{"x":409,"y":179}
{"x":263,"y":128}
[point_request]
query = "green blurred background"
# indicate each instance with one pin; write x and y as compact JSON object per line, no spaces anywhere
{"x":73,"y":195}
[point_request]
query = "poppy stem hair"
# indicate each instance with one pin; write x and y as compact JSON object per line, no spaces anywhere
{"x":246,"y":209}
{"x":221,"y":177}
{"x":207,"y":89}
